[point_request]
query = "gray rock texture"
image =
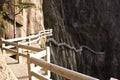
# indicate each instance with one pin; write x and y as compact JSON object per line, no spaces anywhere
{"x":94,"y":23}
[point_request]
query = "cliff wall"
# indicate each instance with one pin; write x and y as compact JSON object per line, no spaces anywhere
{"x":28,"y":21}
{"x":94,"y":23}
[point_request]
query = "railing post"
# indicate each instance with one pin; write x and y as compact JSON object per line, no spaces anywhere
{"x":3,"y":45}
{"x":47,"y":59}
{"x":29,"y":44}
{"x":39,"y":39}
{"x":19,"y":51}
{"x":81,"y":49}
{"x":29,"y":67}
{"x":29,"y":40}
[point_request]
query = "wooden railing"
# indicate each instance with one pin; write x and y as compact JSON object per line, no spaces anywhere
{"x":45,"y":55}
{"x":69,"y":74}
{"x":16,"y":45}
{"x":24,"y":40}
{"x":41,"y":59}
{"x":41,"y":33}
{"x":45,"y":75}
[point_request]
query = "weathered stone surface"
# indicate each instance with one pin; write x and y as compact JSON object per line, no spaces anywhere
{"x":33,"y":18}
{"x":94,"y":23}
{"x":29,"y":21}
{"x":5,"y":72}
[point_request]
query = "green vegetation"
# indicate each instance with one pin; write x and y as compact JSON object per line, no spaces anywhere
{"x":3,"y":22}
{"x":9,"y":13}
{"x":24,"y":4}
{"x":49,"y":19}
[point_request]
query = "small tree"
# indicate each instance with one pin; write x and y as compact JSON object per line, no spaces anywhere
{"x":21,"y":5}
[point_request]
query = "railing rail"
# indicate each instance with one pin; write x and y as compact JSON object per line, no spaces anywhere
{"x":47,"y":66}
{"x":53,"y":41}
{"x":20,"y":46}
{"x":14,"y":45}
{"x":69,"y":74}
{"x":41,"y":33}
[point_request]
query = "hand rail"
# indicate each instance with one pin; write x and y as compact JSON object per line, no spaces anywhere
{"x":73,"y":48}
{"x":22,"y":46}
{"x":30,"y":48}
{"x":41,"y":33}
{"x":91,"y":50}
{"x":14,"y":46}
{"x":72,"y":75}
{"x":13,"y":43}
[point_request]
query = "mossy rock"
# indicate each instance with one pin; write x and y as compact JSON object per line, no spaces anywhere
{"x":8,"y":9}
{"x":3,"y":22}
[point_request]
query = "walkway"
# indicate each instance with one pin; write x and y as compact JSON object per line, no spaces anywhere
{"x":19,"y":69}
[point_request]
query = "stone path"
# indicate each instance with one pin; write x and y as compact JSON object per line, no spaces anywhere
{"x":19,"y":69}
{"x":5,"y":72}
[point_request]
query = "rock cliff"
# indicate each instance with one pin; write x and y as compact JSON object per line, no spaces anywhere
{"x":28,"y":20}
{"x":94,"y":23}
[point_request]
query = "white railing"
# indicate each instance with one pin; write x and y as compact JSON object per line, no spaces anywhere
{"x":67,"y":73}
{"x":41,"y":33}
{"x":28,"y":40}
{"x":15,"y":46}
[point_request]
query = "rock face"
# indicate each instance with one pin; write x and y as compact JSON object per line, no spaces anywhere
{"x":33,"y":18}
{"x":28,"y":21}
{"x":94,"y":23}
{"x":5,"y":72}
{"x":86,"y":22}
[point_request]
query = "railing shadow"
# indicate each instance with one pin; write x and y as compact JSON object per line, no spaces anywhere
{"x":22,"y":77}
